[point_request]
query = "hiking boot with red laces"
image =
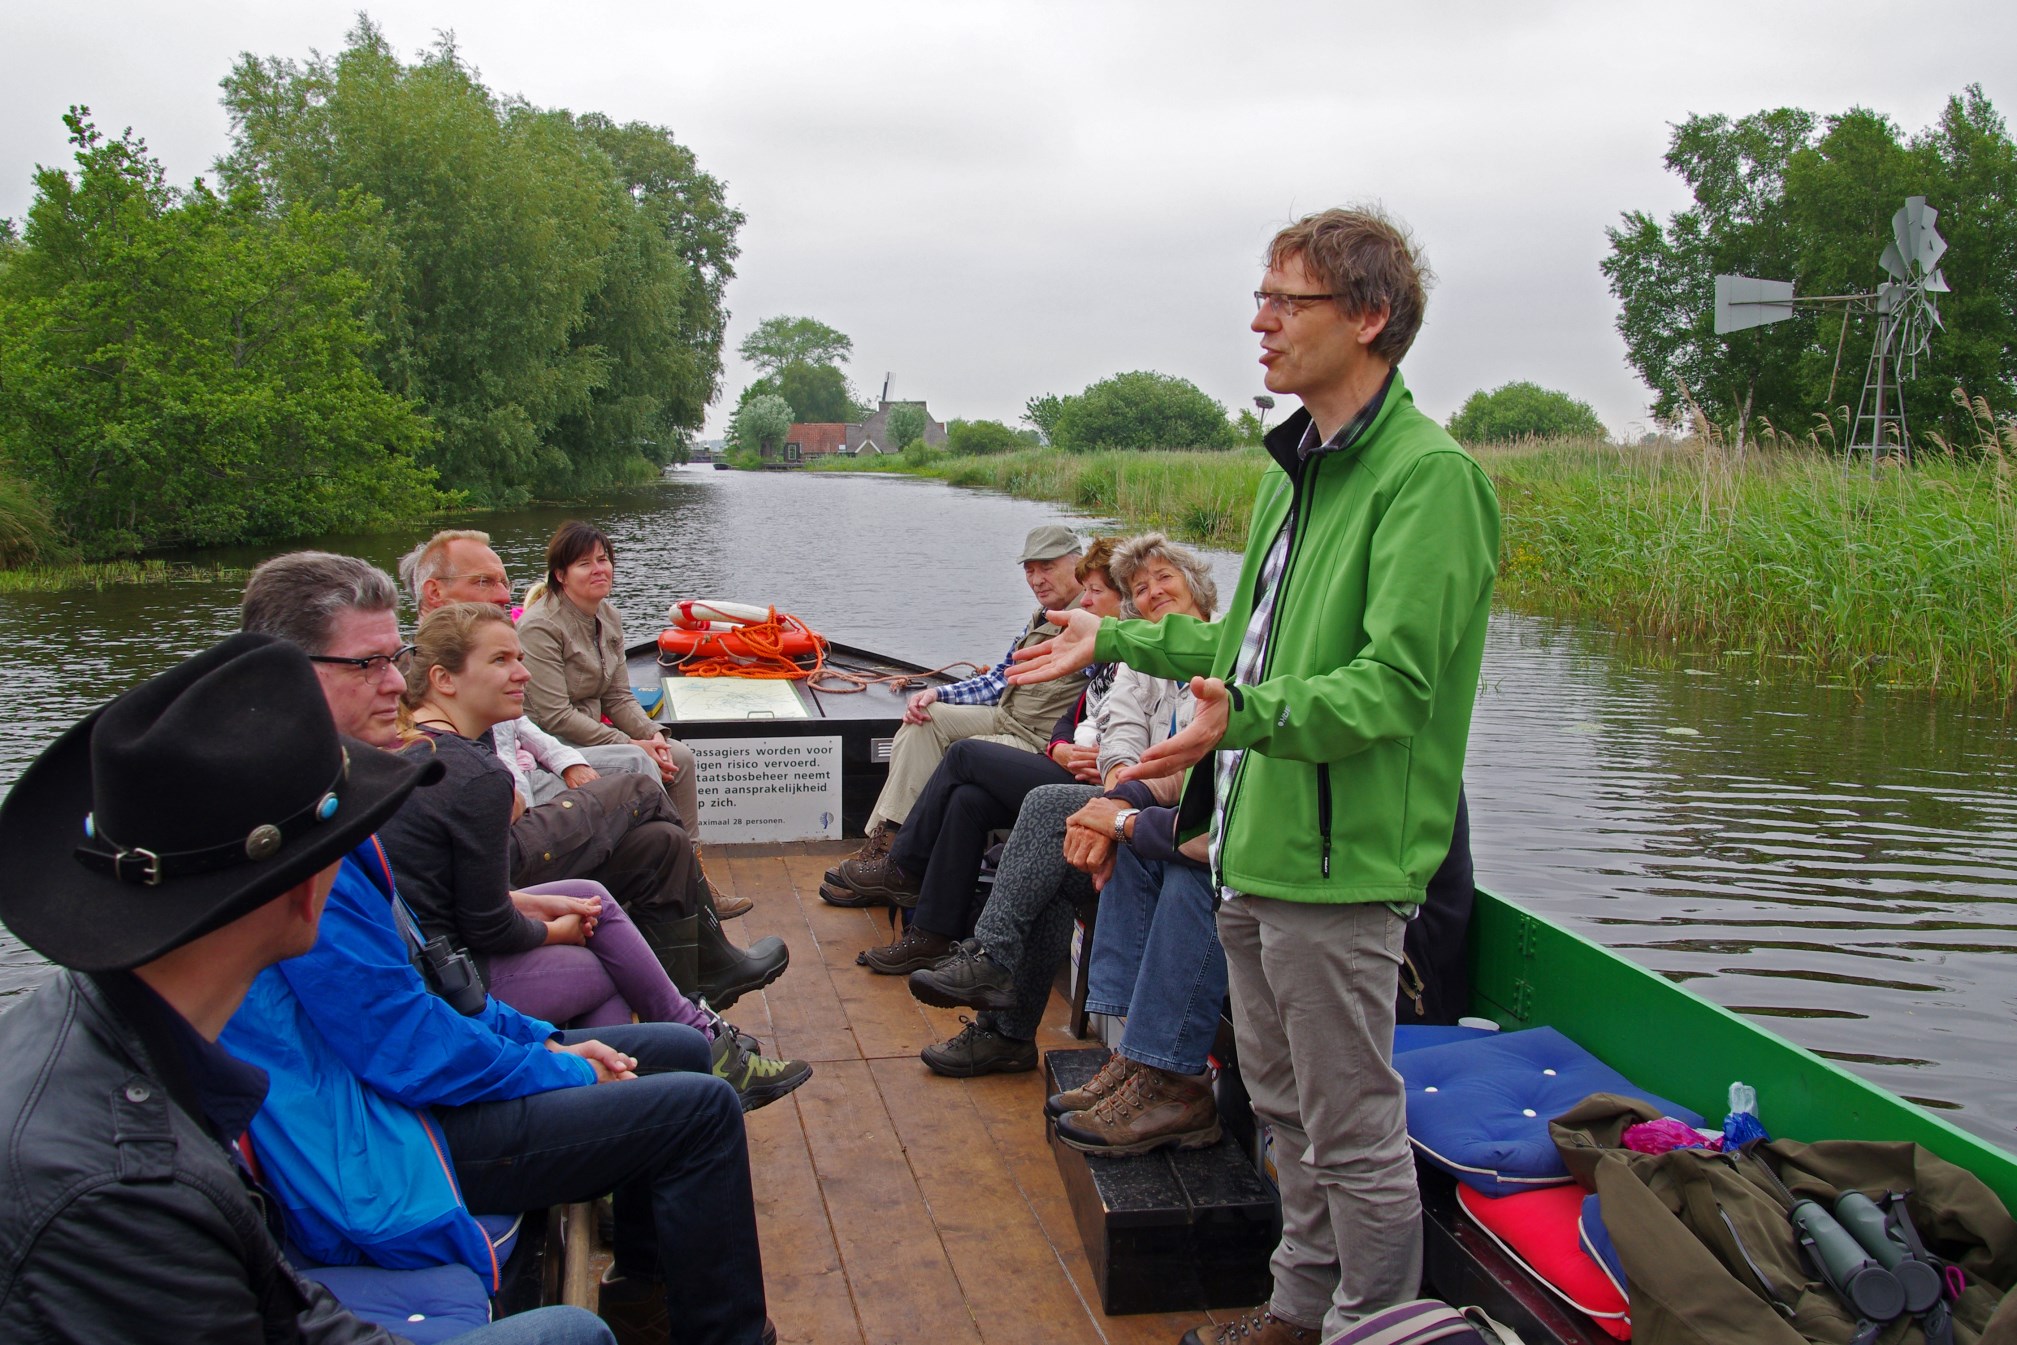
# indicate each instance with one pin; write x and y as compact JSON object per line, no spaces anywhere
{"x":1094,"y":1090}
{"x":915,"y":951}
{"x":1152,"y":1108}
{"x":1260,"y":1327}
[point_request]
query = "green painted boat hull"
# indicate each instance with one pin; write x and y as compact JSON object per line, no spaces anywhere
{"x":1527,"y":971}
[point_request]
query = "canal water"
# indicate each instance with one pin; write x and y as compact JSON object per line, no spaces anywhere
{"x":1844,"y":868}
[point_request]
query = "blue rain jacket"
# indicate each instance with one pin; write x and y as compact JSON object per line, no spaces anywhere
{"x":357,"y":1049}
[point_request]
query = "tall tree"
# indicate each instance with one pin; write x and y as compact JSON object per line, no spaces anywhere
{"x":550,"y":287}
{"x":689,"y":210}
{"x":1786,"y":195}
{"x":818,"y":393}
{"x":760,"y":424}
{"x":181,"y":368}
{"x":906,"y":425}
{"x":777,"y":342}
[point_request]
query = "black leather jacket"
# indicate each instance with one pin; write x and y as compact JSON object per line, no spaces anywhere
{"x":121,"y":1218}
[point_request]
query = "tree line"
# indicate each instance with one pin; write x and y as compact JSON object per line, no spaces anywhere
{"x":1785,"y":194}
{"x":403,"y":292}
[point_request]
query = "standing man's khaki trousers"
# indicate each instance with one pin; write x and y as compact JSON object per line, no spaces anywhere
{"x":1313,"y":1011}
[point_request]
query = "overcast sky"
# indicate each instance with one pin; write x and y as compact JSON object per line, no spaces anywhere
{"x":1001,"y":200}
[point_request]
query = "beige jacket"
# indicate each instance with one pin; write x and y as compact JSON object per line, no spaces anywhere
{"x":578,"y":675}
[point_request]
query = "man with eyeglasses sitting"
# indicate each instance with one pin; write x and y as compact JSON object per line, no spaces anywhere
{"x":458,"y":565}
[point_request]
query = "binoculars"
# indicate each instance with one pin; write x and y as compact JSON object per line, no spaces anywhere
{"x":1865,"y":1260}
{"x":451,"y":974}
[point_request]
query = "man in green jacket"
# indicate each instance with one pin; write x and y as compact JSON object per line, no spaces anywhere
{"x":1334,"y":703}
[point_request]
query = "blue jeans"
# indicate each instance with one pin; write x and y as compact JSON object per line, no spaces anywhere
{"x":669,"y":1143}
{"x":1156,"y":959}
{"x":546,"y":1326}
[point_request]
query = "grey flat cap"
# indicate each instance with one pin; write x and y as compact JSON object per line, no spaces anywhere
{"x":1048,"y":543}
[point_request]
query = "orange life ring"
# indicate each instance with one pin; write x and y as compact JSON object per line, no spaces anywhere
{"x":717,"y":639}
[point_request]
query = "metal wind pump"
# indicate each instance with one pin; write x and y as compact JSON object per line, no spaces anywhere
{"x":1906,"y":316}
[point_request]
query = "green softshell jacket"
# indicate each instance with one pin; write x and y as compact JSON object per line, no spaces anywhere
{"x":1356,"y":728}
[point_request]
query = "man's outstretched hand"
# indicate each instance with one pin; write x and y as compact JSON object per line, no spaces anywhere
{"x":1070,"y":652}
{"x":1198,"y":740}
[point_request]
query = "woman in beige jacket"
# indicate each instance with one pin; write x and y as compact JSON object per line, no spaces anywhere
{"x":573,"y":641}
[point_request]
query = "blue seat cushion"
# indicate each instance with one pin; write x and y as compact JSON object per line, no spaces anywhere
{"x":1419,"y":1036}
{"x":432,"y":1304}
{"x":1596,"y":1240}
{"x":1479,"y":1109}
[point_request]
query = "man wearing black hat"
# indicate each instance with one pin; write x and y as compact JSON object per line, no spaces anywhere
{"x":164,"y":851}
{"x":984,"y":707}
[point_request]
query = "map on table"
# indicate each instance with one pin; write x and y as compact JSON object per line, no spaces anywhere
{"x":697,"y":699}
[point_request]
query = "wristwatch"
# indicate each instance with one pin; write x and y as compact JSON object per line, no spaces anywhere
{"x":1121,"y":823}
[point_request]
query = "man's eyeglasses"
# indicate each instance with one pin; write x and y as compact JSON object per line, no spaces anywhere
{"x":484,"y":583}
{"x":1287,"y":305}
{"x":371,"y":665}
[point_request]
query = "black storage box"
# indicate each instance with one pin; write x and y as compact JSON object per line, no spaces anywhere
{"x":1168,"y":1231}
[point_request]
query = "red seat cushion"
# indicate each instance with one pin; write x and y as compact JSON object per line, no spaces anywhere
{"x":1538,"y":1229}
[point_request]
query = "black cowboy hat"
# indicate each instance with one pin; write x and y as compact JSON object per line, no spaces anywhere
{"x":192,"y":799}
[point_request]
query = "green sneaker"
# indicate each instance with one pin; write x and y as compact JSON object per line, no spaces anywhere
{"x":757,"y":1079}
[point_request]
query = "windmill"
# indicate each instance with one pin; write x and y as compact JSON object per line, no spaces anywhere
{"x":1906,"y":317}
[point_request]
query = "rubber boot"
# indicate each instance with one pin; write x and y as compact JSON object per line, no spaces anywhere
{"x":727,"y":972}
{"x":676,"y":941}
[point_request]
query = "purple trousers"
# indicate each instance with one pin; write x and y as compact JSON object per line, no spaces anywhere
{"x":597,"y":984}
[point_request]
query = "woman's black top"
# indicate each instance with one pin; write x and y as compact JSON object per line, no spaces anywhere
{"x":450,"y":849}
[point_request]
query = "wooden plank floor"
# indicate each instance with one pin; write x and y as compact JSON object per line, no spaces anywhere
{"x":896,"y":1205}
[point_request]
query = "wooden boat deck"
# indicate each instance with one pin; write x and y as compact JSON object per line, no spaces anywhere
{"x":895,"y":1205}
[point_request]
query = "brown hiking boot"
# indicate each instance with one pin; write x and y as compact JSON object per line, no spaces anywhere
{"x":726,"y":906}
{"x":1151,"y":1108}
{"x":1260,"y":1327}
{"x":915,"y":951}
{"x":878,"y":877}
{"x":880,"y":839}
{"x":1094,"y":1090}
{"x":833,"y":894}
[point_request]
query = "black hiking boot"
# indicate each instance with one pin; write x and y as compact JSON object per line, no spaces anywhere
{"x":979,"y":1049}
{"x":968,"y":979}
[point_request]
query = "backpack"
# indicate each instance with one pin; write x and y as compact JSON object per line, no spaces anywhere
{"x":1425,"y":1321}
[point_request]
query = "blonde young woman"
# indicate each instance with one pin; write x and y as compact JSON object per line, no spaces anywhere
{"x":563,"y":952}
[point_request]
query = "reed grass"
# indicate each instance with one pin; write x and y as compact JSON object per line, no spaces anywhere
{"x":27,"y":533}
{"x":1202,"y":497}
{"x":1903,"y":576}
{"x":42,"y":578}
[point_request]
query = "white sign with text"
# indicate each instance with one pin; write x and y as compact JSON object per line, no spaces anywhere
{"x":768,"y":789}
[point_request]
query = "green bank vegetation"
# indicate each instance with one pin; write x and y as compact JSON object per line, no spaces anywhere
{"x":1905,"y":577}
{"x":44,"y":578}
{"x":401,"y":292}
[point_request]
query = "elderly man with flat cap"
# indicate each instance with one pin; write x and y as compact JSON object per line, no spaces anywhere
{"x":984,"y":707}
{"x":163,"y":852}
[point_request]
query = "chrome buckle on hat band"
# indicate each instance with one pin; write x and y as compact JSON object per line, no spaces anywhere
{"x":151,"y":875}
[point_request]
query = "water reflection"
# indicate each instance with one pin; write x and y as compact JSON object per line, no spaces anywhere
{"x":1846,"y":870}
